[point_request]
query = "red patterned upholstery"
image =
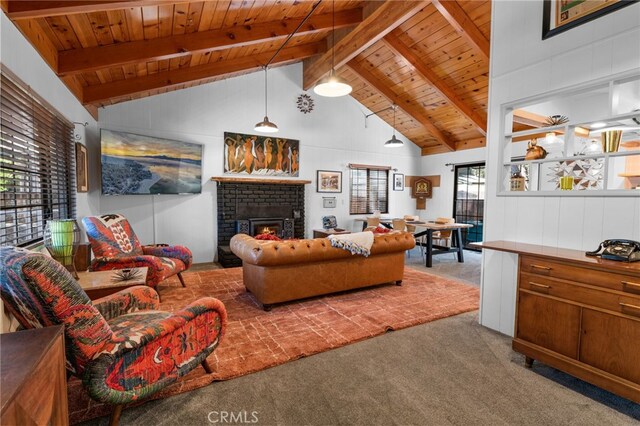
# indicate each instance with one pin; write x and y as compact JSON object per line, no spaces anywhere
{"x":121,"y":346}
{"x":116,"y":246}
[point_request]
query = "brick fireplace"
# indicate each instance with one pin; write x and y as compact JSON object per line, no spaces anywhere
{"x":250,"y":205}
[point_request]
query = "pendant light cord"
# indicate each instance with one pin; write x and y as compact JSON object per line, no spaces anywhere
{"x":313,"y":9}
{"x":266,"y":113}
{"x":394,"y":119}
{"x":333,"y":37}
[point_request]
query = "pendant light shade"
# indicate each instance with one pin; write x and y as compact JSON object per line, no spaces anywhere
{"x":394,"y":142}
{"x":332,"y":86}
{"x":265,"y":126}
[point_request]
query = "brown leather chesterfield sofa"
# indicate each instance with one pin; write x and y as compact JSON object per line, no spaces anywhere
{"x":280,"y":271}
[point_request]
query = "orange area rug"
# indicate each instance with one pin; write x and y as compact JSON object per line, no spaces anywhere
{"x":256,"y":340}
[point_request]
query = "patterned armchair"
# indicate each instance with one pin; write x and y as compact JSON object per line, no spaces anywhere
{"x":116,"y":246}
{"x":121,"y":346}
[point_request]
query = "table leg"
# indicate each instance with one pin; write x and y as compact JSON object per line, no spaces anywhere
{"x":458,"y":234}
{"x":429,"y":254}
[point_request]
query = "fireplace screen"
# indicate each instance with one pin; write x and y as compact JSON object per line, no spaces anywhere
{"x":282,"y":228}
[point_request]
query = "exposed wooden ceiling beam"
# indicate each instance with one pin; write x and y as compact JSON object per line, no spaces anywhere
{"x":379,"y":23}
{"x":399,"y":48}
{"x":29,"y":9}
{"x":172,"y":78}
{"x":93,"y":58}
{"x":410,"y":109}
{"x":530,"y":119}
{"x":460,"y":145}
{"x":458,"y":19}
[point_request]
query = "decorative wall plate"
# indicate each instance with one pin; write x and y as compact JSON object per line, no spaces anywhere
{"x":305,"y":103}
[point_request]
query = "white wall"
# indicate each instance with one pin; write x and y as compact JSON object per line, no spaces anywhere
{"x":331,"y":136}
{"x":523,"y":65}
{"x":441,"y":203}
{"x":17,"y":54}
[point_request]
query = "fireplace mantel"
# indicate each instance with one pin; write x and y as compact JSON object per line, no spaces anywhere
{"x":226,"y":179}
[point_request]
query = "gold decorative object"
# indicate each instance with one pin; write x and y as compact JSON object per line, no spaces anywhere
{"x":566,"y":183}
{"x":611,"y":140}
{"x":535,"y":152}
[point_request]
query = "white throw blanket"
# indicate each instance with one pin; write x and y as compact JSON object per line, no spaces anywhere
{"x":357,"y":243}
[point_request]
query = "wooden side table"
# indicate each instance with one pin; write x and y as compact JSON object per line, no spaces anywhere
{"x":101,"y":283}
{"x":323,"y":233}
{"x":33,"y":377}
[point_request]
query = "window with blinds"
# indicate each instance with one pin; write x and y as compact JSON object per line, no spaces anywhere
{"x":369,"y":190}
{"x":36,"y":164}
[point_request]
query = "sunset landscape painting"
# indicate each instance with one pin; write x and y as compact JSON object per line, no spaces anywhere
{"x":137,"y":164}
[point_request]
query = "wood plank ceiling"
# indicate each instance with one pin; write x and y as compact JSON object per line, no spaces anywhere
{"x":431,"y":58}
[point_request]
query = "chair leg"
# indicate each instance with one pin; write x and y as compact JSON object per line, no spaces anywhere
{"x":114,"y":419}
{"x":181,"y":279}
{"x":207,"y":367}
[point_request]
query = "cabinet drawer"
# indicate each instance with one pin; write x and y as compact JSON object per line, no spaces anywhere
{"x":601,"y":278}
{"x":629,"y":305}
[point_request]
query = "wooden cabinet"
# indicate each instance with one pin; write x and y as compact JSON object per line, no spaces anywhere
{"x":33,"y":381}
{"x":582,"y":319}
{"x":578,"y":314}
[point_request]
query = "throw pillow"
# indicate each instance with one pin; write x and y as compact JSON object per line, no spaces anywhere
{"x":267,"y":237}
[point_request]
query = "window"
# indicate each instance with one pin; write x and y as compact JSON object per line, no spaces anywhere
{"x":36,"y":164}
{"x":369,"y":189}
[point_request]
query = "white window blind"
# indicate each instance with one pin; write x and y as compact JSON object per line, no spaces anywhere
{"x":37,"y":180}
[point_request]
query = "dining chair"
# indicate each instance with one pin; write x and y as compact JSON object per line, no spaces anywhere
{"x":412,"y":229}
{"x":398,"y":224}
{"x":373,"y":221}
{"x":444,"y":236}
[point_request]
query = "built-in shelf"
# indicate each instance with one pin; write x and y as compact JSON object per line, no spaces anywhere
{"x":609,"y":105}
{"x":227,"y":179}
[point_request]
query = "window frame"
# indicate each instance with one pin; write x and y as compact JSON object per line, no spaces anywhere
{"x":37,"y":164}
{"x":368,"y":188}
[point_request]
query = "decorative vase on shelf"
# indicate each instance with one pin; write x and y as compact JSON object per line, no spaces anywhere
{"x":611,"y":140}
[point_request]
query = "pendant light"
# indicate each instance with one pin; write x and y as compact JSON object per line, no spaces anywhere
{"x":265,"y":126}
{"x":332,"y":86}
{"x":394,"y":142}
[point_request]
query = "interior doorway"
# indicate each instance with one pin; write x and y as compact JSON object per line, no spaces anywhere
{"x":468,"y":200}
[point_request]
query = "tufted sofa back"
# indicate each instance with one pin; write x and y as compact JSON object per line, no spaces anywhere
{"x":269,"y":253}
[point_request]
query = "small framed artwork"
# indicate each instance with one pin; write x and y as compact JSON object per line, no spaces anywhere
{"x":82,"y":174}
{"x":329,"y":202}
{"x":398,"y":182}
{"x":562,"y":15}
{"x":329,"y":181}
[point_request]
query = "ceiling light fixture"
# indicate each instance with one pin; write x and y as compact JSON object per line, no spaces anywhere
{"x":394,"y":142}
{"x":265,"y":126}
{"x":332,"y":86}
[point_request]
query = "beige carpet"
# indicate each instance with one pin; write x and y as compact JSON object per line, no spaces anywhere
{"x":256,"y":340}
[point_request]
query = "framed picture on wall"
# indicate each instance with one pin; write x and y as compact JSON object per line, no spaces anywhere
{"x":398,"y":182}
{"x":562,"y":15}
{"x":329,"y":181}
{"x":82,"y":174}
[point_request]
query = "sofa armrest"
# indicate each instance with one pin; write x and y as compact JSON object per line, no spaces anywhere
{"x":138,"y":298}
{"x":135,"y":367}
{"x":175,"y":252}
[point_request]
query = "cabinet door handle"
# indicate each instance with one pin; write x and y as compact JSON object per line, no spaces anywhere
{"x":630,"y":287}
{"x":632,"y":307}
{"x":544,"y":268}
{"x":540,"y":286}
